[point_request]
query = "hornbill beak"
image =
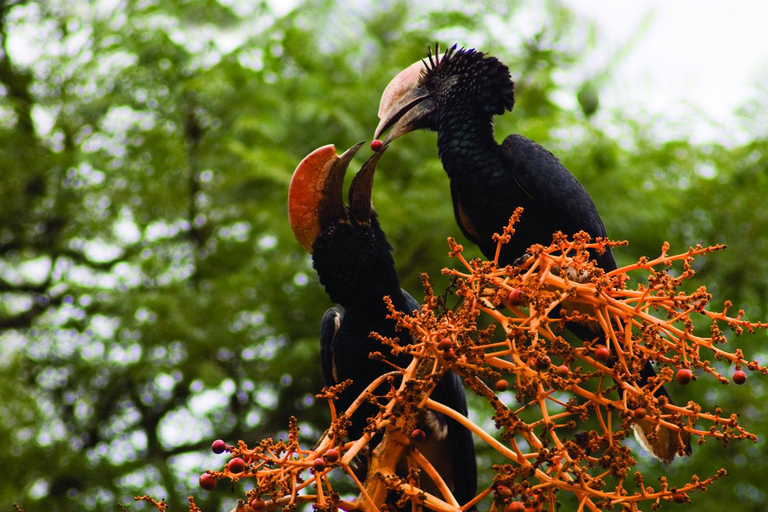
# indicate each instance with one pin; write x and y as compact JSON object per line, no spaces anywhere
{"x":315,"y":194}
{"x":404,"y":104}
{"x":360,"y":203}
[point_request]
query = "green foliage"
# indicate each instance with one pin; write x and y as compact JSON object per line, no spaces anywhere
{"x":153,"y":297}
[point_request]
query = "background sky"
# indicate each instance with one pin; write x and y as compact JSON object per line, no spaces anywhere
{"x":694,"y":55}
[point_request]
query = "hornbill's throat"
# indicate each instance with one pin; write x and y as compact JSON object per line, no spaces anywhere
{"x":315,"y":194}
{"x":404,"y":103}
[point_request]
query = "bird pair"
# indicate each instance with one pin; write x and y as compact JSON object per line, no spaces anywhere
{"x":455,"y":94}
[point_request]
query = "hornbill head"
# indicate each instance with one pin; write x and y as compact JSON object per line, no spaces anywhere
{"x":349,"y":249}
{"x":463,"y":79}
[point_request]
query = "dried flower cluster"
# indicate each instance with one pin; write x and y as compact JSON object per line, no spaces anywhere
{"x":575,"y":402}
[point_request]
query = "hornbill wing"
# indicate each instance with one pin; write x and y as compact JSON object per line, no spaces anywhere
{"x":329,"y":326}
{"x":562,"y":199}
{"x":547,"y":182}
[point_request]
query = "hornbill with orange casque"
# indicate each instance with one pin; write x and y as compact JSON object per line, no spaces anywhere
{"x":457,"y":94}
{"x":354,"y":263}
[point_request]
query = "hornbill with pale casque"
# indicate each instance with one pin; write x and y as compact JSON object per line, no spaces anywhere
{"x":457,"y":94}
{"x":354,"y":263}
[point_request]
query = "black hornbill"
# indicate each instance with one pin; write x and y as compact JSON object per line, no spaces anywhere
{"x":354,"y":263}
{"x":457,"y":94}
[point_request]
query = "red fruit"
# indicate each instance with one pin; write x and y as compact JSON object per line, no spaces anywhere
{"x":236,"y":465}
{"x":332,"y":455}
{"x":449,"y":355}
{"x":562,"y":370}
{"x":602,"y":354}
{"x":376,"y":144}
{"x":543,"y":363}
{"x":445,"y":344}
{"x":319,"y":465}
{"x":502,"y":385}
{"x":739,"y":377}
{"x":218,"y":446}
{"x":639,"y":413}
{"x":684,"y":376}
{"x":678,"y":497}
{"x":504,"y":491}
{"x":207,"y":481}
{"x":418,"y":435}
{"x":516,"y":506}
{"x":517,"y":296}
{"x":257,"y":505}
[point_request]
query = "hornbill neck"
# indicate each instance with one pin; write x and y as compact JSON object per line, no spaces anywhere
{"x":466,"y":143}
{"x":355,"y":265}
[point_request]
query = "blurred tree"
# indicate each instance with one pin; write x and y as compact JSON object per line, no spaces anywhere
{"x":152,"y":295}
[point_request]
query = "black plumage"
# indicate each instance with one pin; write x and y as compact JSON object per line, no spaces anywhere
{"x":354,"y":263}
{"x":457,"y":95}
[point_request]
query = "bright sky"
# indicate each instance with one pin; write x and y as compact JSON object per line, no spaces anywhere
{"x":706,"y":54}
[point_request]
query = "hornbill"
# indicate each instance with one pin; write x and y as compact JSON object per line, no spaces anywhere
{"x":457,"y":94}
{"x":354,"y":263}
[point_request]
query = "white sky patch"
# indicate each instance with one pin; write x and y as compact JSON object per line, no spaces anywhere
{"x":697,"y":63}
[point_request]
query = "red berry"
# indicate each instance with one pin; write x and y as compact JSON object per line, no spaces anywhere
{"x":236,"y":465}
{"x":739,"y":377}
{"x":418,"y":435}
{"x":678,"y":497}
{"x":207,"y":481}
{"x":602,"y":354}
{"x":516,"y":506}
{"x":517,"y":296}
{"x":562,"y":370}
{"x":332,"y":455}
{"x":639,"y":413}
{"x":445,"y":344}
{"x":376,"y":144}
{"x":218,"y":446}
{"x":684,"y":376}
{"x":504,"y":491}
{"x":543,"y":363}
{"x":318,"y":464}
{"x":502,"y":385}
{"x":257,"y":505}
{"x":449,"y":355}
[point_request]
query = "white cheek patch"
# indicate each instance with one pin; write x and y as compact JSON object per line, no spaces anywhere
{"x":336,"y":326}
{"x":439,"y":429}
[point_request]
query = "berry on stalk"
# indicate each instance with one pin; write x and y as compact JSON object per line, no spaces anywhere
{"x":257,"y":505}
{"x":218,"y":446}
{"x":739,"y":377}
{"x":319,"y":464}
{"x":602,"y":354}
{"x":517,"y":296}
{"x":418,"y":435}
{"x":332,"y":455}
{"x":445,"y":344}
{"x":376,"y":145}
{"x":502,"y":385}
{"x":207,"y":481}
{"x":684,"y":376}
{"x":236,"y":465}
{"x":449,"y":355}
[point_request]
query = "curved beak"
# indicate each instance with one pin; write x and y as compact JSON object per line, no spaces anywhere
{"x":360,"y":203}
{"x":404,"y":105}
{"x":315,"y":192}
